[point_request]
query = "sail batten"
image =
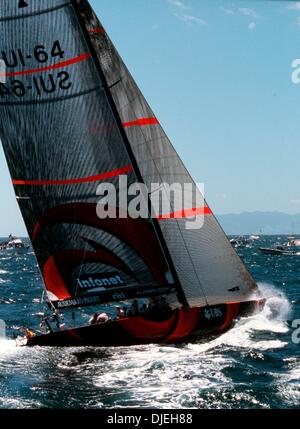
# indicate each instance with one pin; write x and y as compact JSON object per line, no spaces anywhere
{"x":52,"y":100}
{"x":95,"y":178}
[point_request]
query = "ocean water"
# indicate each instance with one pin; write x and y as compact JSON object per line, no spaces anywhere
{"x":254,"y":365}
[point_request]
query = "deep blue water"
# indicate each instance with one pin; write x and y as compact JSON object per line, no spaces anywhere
{"x":254,"y":365}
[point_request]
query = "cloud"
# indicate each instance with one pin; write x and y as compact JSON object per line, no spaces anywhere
{"x":178,"y":3}
{"x":295,"y":202}
{"x":248,"y":12}
{"x":228,"y":11}
{"x":188,"y":18}
{"x":294,"y":6}
{"x":191,"y":19}
{"x":242,"y":11}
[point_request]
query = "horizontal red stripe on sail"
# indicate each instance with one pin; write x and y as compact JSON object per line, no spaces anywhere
{"x":141,"y":122}
{"x":102,"y":176}
{"x":182,"y":214}
{"x":62,"y":64}
{"x":97,"y":31}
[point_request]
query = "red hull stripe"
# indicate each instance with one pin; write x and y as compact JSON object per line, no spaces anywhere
{"x":97,"y":31}
{"x":60,"y":65}
{"x":141,"y":122}
{"x":182,"y":214}
{"x":96,"y":178}
{"x":232,"y":311}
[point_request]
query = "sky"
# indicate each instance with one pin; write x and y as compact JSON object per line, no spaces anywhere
{"x":218,"y":75}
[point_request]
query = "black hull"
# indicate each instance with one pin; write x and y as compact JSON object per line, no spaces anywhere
{"x":179,"y":326}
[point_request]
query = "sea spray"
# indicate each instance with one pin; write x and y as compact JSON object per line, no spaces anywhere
{"x":277,"y":305}
{"x":7,"y":346}
{"x":2,"y":330}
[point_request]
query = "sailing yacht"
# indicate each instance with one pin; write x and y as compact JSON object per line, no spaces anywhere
{"x":72,"y":117}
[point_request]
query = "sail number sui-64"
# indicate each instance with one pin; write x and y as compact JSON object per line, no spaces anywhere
{"x":40,"y":84}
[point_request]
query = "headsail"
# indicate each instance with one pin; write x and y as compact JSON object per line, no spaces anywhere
{"x":209,"y":270}
{"x":61,"y":139}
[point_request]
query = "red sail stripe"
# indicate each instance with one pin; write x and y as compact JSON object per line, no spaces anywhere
{"x":141,"y":122}
{"x":97,"y":30}
{"x":182,"y":214}
{"x":67,"y":63}
{"x":102,"y":176}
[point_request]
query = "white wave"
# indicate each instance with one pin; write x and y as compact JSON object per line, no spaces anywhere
{"x":7,"y":346}
{"x":16,"y":403}
{"x":166,"y":369}
{"x":294,"y":375}
{"x":174,"y":375}
{"x":288,"y":384}
{"x":272,"y":319}
{"x":269,"y":290}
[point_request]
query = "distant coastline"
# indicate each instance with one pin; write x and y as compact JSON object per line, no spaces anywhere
{"x":261,"y":223}
{"x":246,"y":223}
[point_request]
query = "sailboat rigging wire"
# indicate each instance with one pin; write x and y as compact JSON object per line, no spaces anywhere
{"x":42,"y":297}
{"x":82,"y":264}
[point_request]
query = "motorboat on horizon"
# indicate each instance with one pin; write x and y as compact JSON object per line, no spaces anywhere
{"x":13,"y":243}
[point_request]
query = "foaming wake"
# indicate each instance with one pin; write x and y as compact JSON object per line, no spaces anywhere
{"x":248,"y":331}
{"x":158,"y":375}
{"x":270,"y":291}
{"x":7,"y":346}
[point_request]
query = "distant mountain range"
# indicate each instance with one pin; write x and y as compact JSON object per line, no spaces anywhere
{"x":248,"y":223}
{"x":267,"y":223}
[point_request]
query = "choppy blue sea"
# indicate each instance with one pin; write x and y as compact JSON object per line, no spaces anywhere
{"x":254,"y":365}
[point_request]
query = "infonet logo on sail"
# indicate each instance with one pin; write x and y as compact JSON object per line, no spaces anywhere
{"x":100,"y":281}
